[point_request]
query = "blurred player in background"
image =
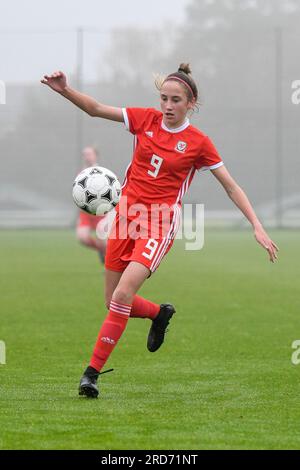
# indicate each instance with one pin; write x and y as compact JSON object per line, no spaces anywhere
{"x":87,"y":224}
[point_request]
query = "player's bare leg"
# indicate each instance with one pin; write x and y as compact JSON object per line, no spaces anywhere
{"x":85,"y":237}
{"x":115,"y":323}
{"x":142,"y":308}
{"x":112,"y":279}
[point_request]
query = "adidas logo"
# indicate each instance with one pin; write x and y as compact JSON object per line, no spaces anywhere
{"x":108,"y":340}
{"x":149,"y":133}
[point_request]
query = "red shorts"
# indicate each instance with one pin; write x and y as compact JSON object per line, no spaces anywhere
{"x":123,"y":248}
{"x":89,"y":220}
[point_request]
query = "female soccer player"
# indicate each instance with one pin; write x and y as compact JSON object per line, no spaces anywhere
{"x":168,"y":151}
{"x":88,"y":223}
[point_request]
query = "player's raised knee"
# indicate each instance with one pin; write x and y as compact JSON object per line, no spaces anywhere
{"x":122,"y":295}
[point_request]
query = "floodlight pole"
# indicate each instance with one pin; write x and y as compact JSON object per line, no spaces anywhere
{"x":278,"y":128}
{"x":79,"y":112}
{"x":79,"y":76}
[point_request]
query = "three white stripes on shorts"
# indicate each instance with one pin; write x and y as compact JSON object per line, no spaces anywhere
{"x":174,"y":225}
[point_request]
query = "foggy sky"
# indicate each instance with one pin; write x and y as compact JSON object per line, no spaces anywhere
{"x":37,"y":37}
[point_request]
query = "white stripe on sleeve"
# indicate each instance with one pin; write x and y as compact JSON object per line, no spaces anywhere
{"x":213,"y":167}
{"x":126,"y":120}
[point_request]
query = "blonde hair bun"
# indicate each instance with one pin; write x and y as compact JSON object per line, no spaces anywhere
{"x":185,"y":68}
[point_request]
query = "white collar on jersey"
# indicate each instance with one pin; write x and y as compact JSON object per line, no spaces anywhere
{"x":177,"y":129}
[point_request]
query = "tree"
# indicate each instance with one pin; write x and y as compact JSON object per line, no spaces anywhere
{"x":231,"y":44}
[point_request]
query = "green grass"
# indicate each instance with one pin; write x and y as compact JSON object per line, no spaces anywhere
{"x":222,"y":380}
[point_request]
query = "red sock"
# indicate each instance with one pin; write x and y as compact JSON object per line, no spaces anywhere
{"x":110,"y":333}
{"x":143,"y":308}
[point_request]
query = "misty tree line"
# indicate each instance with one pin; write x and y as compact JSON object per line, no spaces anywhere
{"x":224,"y":40}
{"x":231,"y":48}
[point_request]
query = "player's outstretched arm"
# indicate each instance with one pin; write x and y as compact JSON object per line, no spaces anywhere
{"x":58,"y":82}
{"x":240,"y":199}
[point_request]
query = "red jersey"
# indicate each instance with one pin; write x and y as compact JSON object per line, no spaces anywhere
{"x":164,"y":160}
{"x":162,"y":168}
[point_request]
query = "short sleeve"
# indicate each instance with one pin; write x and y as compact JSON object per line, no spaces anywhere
{"x":136,"y":118}
{"x":209,"y":158}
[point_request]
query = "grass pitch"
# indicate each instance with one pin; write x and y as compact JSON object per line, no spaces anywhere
{"x":222,"y":380}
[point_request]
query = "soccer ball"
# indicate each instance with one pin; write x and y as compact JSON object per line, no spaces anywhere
{"x":96,"y":190}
